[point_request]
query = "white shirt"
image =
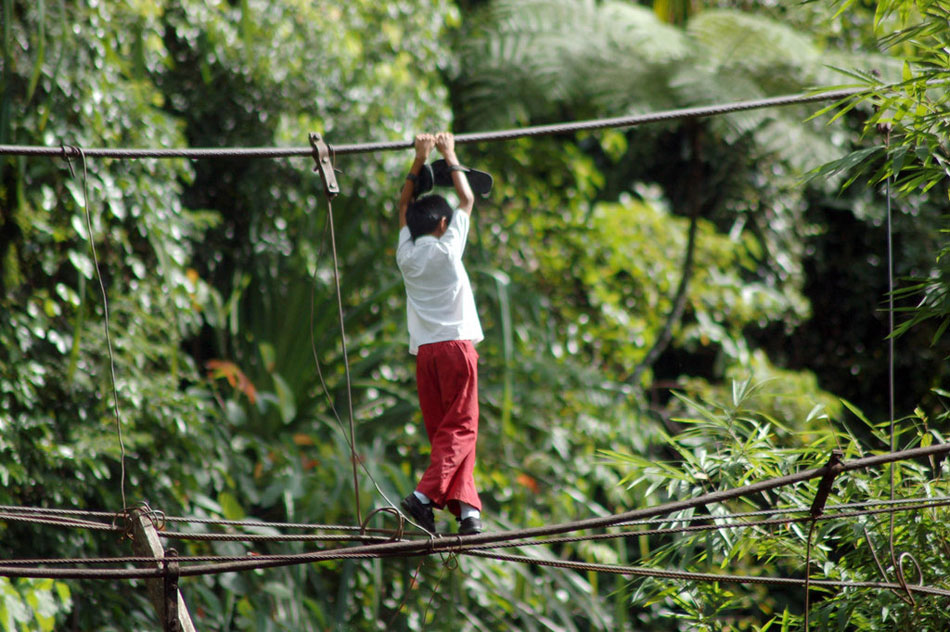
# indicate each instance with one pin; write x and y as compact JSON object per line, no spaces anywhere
{"x":439,"y":301}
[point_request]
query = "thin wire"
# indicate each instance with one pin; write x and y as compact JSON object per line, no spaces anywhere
{"x":346,"y":361}
{"x":405,"y":594}
{"x":313,"y":343}
{"x":105,"y":309}
{"x":264,"y":537}
{"x":412,"y":548}
{"x":144,"y":573}
{"x":61,"y":512}
{"x":643,"y":571}
{"x":928,"y":502}
{"x":896,"y":562}
{"x":907,"y":597}
{"x":890,"y":348}
{"x":811,"y":531}
{"x":446,"y":564}
{"x":262,"y":523}
{"x":396,"y":535}
{"x":59,"y":522}
{"x":258,"y":562}
{"x":323,"y":384}
{"x":693,"y":528}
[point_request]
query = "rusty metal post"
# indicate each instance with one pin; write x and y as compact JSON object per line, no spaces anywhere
{"x":145,"y":542}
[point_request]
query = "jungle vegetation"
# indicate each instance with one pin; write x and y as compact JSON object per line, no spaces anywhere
{"x":669,"y":309}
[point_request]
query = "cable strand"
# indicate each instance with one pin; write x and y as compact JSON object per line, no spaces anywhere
{"x":105,"y":309}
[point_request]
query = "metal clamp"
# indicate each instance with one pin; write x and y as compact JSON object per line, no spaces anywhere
{"x":172,"y":623}
{"x":832,"y":469}
{"x":321,"y":155}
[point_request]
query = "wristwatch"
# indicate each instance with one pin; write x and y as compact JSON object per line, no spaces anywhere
{"x":412,"y":178}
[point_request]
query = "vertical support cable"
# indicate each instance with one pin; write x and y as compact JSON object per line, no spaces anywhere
{"x":811,"y":531}
{"x":321,"y":153}
{"x":890,"y":346}
{"x":346,"y":362}
{"x":105,"y":310}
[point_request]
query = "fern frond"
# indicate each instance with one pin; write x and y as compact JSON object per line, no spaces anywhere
{"x":552,"y":54}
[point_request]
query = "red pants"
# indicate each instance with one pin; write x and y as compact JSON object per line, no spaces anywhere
{"x":447,"y":379}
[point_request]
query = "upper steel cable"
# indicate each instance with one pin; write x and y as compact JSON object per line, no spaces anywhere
{"x":477,"y":137}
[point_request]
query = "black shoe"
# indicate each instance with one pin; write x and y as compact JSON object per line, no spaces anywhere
{"x":470,"y":526}
{"x":479,"y":181}
{"x":419,"y":512}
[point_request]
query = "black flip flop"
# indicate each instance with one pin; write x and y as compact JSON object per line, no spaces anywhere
{"x":424,"y":181}
{"x":480,"y":181}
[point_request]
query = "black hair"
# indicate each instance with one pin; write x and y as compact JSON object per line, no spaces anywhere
{"x":425,"y":213}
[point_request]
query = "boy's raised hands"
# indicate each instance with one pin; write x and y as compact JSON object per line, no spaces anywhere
{"x":424,"y":144}
{"x":445,"y":143}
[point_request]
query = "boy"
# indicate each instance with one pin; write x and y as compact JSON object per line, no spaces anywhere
{"x":443,"y":331}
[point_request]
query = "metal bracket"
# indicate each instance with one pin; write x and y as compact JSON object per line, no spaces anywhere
{"x":832,"y":469}
{"x":321,"y":155}
{"x":172,"y":623}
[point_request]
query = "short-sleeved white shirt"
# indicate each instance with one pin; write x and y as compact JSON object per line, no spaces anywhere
{"x":439,"y":301}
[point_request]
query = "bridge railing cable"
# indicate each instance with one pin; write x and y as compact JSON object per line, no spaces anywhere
{"x":476,"y":137}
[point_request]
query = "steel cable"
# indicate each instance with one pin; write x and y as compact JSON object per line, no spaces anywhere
{"x":919,"y":502}
{"x":410,"y":548}
{"x":644,"y":571}
{"x":505,"y":544}
{"x":478,"y":137}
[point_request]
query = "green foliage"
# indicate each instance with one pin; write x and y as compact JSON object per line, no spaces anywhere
{"x":32,"y":604}
{"x":736,"y":172}
{"x":218,"y":277}
{"x":60,"y":446}
{"x":728,"y":444}
{"x":620,"y":254}
{"x":903,"y":156}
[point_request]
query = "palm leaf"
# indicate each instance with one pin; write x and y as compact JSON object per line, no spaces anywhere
{"x":774,"y":56}
{"x":532,"y":59}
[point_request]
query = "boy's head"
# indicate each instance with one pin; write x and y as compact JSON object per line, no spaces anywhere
{"x":429,"y":214}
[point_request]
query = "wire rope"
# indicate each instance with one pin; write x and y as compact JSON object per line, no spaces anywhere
{"x":643,"y":571}
{"x":919,"y":502}
{"x":105,"y":309}
{"x":238,"y":537}
{"x":406,"y":548}
{"x":346,"y":360}
{"x":643,"y":515}
{"x":477,"y":137}
{"x":144,"y":573}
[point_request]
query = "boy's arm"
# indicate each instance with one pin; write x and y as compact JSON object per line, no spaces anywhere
{"x":445,"y":143}
{"x":424,"y":144}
